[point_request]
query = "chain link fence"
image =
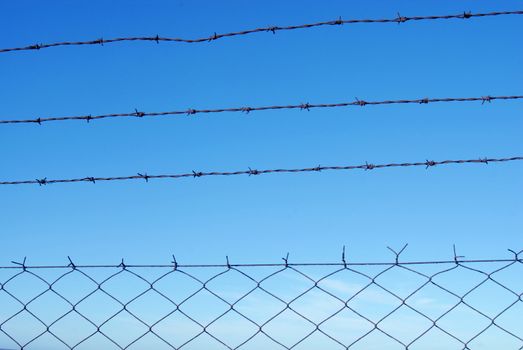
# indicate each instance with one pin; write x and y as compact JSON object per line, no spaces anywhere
{"x":453,"y":304}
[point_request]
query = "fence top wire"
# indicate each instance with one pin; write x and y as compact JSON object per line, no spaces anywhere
{"x":245,"y":109}
{"x":123,"y":265}
{"x":456,"y":259}
{"x":194,"y":174}
{"x":272,"y":29}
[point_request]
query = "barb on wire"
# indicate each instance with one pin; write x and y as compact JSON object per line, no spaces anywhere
{"x":397,"y":254}
{"x":282,"y":305}
{"x":516,"y":254}
{"x":71,"y":263}
{"x":301,"y":106}
{"x":456,"y":256}
{"x":21,"y":264}
{"x":272,"y":29}
{"x":343,"y":257}
{"x":174,"y":262}
{"x":286,"y":260}
{"x":250,"y":171}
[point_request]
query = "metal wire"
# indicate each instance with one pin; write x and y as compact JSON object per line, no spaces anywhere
{"x":271,"y":29}
{"x":301,"y":106}
{"x":278,"y":291}
{"x":319,"y":168}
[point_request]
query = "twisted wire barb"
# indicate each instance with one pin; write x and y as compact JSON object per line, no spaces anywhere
{"x":271,"y":29}
{"x":301,"y":106}
{"x":319,"y":168}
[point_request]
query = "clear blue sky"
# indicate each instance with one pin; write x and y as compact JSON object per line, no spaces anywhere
{"x":259,"y":219}
{"x":255,"y":219}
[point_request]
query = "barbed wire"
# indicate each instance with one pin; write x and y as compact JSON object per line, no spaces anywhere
{"x":344,"y":304}
{"x":272,"y":29}
{"x":195,"y":174}
{"x":301,"y":106}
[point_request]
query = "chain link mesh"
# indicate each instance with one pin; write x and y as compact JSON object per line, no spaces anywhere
{"x":413,"y":305}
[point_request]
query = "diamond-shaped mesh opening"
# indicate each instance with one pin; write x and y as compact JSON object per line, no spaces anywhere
{"x":7,"y":274}
{"x":346,"y":327}
{"x":8,"y":306}
{"x":374,"y":303}
{"x":125,"y":286}
{"x":287,"y":284}
{"x":495,"y":338}
{"x":317,"y":340}
{"x":344,"y":284}
{"x":401,"y":281}
{"x":499,"y":298}
{"x":429,"y":270}
{"x":151,"y":307}
{"x":459,"y":280}
{"x":23,"y":327}
{"x":177,"y":286}
{"x":261,"y":341}
{"x":432,"y":301}
{"x":74,"y":286}
{"x":315,"y":273}
{"x":435,"y":339}
{"x":205,"y":341}
{"x":232,"y":329}
{"x":377,"y":340}
{"x":257,"y":273}
{"x":72,"y":329}
{"x":369,"y":272}
{"x":288,"y":328}
{"x":231,"y":285}
{"x":98,"y":307}
{"x":177,"y":329}
{"x":405,"y":324}
{"x":316,"y":305}
{"x":149,"y":341}
{"x":511,"y":319}
{"x":124,"y":329}
{"x":506,"y":277}
{"x":453,"y":323}
{"x":26,"y":286}
{"x":204,"y":307}
{"x":259,"y":306}
{"x":97,"y":341}
{"x":49,"y":307}
{"x":46,"y":341}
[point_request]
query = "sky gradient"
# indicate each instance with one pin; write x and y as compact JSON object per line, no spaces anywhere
{"x":262,"y":218}
{"x":255,"y":219}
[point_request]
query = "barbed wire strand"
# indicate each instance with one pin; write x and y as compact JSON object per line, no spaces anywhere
{"x":301,"y":106}
{"x":367,"y":166}
{"x":272,"y":29}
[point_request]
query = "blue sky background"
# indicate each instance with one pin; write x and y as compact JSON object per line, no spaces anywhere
{"x":259,"y":219}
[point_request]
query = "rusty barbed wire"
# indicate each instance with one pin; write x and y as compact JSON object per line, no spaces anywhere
{"x":301,"y":106}
{"x":195,"y":174}
{"x":155,"y":300}
{"x":271,"y":29}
